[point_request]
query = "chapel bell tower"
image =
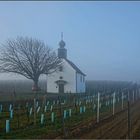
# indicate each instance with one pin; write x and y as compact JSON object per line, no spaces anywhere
{"x":62,"y":52}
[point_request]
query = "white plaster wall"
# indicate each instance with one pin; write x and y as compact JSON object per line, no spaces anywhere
{"x":80,"y":84}
{"x":68,"y":74}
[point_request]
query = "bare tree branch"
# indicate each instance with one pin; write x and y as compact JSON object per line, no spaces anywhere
{"x":28,"y":57}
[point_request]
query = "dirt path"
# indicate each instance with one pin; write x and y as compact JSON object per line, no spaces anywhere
{"x":116,"y":126}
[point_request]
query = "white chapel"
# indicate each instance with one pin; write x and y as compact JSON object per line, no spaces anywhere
{"x":68,"y":78}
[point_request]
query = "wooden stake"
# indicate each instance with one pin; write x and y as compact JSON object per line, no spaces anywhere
{"x":114,"y":103}
{"x":133,"y":96}
{"x":98,"y":107}
{"x":34,"y":111}
{"x":128,"y":115}
{"x":122,"y":100}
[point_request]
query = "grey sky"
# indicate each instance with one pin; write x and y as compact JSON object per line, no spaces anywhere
{"x":102,"y":38}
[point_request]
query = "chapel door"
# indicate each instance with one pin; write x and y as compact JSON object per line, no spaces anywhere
{"x":61,"y":88}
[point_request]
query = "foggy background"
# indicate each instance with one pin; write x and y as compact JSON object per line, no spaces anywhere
{"x":102,"y":38}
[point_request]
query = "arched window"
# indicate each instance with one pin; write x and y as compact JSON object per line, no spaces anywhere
{"x":81,"y":78}
{"x":61,"y":77}
{"x":60,"y":68}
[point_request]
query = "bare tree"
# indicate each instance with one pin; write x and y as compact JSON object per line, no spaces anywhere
{"x":28,"y":57}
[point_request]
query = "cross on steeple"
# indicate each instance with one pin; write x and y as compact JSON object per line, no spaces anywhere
{"x":61,"y":35}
